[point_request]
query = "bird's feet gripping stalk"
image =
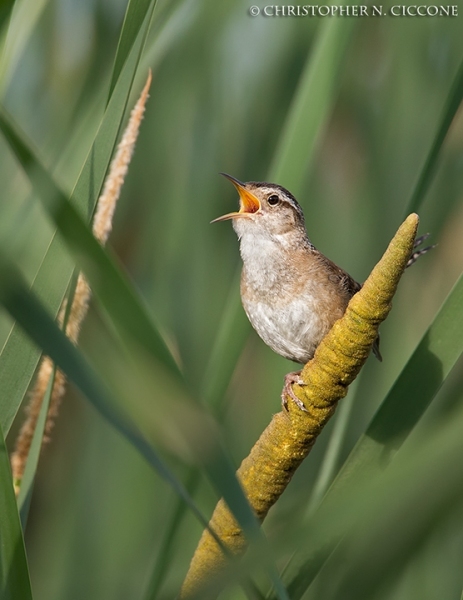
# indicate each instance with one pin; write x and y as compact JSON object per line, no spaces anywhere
{"x":290,"y":378}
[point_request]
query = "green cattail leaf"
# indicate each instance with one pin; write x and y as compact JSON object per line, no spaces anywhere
{"x":109,"y":284}
{"x":33,"y":318}
{"x":135,"y":15}
{"x":398,"y":414}
{"x":18,"y":357}
{"x":14,"y":573}
{"x":454,"y":99}
{"x":312,"y":104}
{"x":382,"y":518}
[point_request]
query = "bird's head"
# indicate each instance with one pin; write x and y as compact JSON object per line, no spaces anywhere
{"x":265,"y":209}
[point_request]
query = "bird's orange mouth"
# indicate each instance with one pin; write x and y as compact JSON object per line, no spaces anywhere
{"x":249,"y":204}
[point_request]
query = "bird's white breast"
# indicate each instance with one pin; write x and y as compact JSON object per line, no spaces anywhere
{"x":290,"y":323}
{"x":293,"y":330}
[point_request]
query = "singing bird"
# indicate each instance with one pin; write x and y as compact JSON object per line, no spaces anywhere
{"x":291,"y":292}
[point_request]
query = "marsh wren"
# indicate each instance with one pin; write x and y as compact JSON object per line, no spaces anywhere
{"x":291,"y":292}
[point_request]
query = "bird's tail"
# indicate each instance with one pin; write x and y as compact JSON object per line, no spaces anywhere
{"x":419,"y":252}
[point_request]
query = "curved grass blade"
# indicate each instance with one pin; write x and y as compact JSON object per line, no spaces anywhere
{"x":166,"y":548}
{"x":375,"y":527}
{"x":332,"y":454}
{"x":107,"y":281}
{"x":24,"y":17}
{"x":135,"y":15}
{"x":19,"y":358}
{"x":15,"y":375}
{"x":398,"y":414}
{"x":452,"y":104}
{"x":38,"y":324}
{"x":393,"y":513}
{"x":214,"y":385}
{"x":14,"y":573}
{"x":228,"y":346}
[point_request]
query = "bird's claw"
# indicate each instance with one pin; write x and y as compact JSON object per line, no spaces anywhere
{"x":290,"y":378}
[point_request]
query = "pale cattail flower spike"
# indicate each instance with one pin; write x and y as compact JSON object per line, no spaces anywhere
{"x":102,"y":225}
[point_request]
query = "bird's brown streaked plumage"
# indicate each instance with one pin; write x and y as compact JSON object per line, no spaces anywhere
{"x":291,"y":292}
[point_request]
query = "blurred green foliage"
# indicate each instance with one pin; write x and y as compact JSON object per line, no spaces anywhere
{"x":223,"y":85}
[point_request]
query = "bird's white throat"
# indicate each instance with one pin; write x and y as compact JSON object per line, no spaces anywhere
{"x":266,"y":257}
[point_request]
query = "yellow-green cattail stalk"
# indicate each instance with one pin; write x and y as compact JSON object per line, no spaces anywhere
{"x":288,"y":439}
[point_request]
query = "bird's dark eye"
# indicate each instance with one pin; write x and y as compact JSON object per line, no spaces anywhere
{"x":273,"y":200}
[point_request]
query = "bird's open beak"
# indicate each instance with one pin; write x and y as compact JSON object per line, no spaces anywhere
{"x":249,"y":204}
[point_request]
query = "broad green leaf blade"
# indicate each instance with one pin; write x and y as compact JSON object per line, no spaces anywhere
{"x":227,"y":349}
{"x":398,"y":414}
{"x":32,"y":317}
{"x":382,"y":518}
{"x":166,"y":548}
{"x":107,"y":281}
{"x":400,"y":507}
{"x":312,"y":104}
{"x":14,"y":573}
{"x":418,"y":383}
{"x":23,"y":19}
{"x":18,"y":361}
{"x":5,"y":10}
{"x":19,"y":357}
{"x":90,"y":182}
{"x":330,"y":461}
{"x":414,"y":389}
{"x":452,"y":105}
{"x":228,"y":346}
{"x":135,"y":15}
